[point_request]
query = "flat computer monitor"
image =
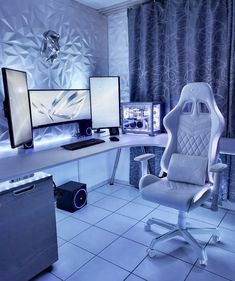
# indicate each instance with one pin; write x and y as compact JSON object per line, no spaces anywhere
{"x":105,"y":102}
{"x":52,"y":107}
{"x":16,"y":106}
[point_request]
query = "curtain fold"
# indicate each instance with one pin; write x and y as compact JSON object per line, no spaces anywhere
{"x":174,"y":42}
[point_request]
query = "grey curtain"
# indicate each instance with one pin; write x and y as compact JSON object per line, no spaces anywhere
{"x":174,"y":42}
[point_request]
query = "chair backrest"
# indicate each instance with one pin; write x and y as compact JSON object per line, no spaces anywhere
{"x":194,"y":126}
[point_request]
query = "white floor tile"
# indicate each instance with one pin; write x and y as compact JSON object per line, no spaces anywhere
{"x":141,"y":201}
{"x":162,"y":268}
{"x":116,"y":223}
{"x":111,"y":203}
{"x":228,"y":221}
{"x":109,"y":189}
{"x":60,"y":241}
{"x":133,"y":277}
{"x":176,"y":247}
{"x":208,"y":216}
{"x":173,"y":254}
{"x":60,"y":216}
{"x":220,"y":262}
{"x":167,"y":209}
{"x":127,"y":193}
{"x":70,"y":227}
{"x":199,"y":224}
{"x":199,"y":274}
{"x":134,"y":211}
{"x":45,"y":276}
{"x":179,"y":248}
{"x":94,"y":196}
{"x":124,"y":253}
{"x":165,"y":216}
{"x":138,"y":234}
{"x":91,"y":214}
{"x":99,"y":270}
{"x":71,"y":258}
{"x":63,"y":212}
{"x":94,"y":239}
{"x":227,"y":240}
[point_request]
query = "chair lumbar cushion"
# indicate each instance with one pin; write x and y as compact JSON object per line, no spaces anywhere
{"x":187,"y":168}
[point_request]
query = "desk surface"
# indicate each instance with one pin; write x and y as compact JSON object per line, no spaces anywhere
{"x":30,"y":161}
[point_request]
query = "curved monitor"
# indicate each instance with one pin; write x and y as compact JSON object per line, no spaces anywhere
{"x":52,"y":107}
{"x":16,"y":106}
{"x":105,"y":101}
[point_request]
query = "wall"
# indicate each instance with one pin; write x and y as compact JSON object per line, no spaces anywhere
{"x":119,"y":65}
{"x":118,"y":50}
{"x":83,"y":40}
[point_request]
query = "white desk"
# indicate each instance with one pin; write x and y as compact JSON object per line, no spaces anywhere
{"x":27,"y":162}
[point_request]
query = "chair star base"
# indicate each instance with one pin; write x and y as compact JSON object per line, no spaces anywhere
{"x":182,"y":230}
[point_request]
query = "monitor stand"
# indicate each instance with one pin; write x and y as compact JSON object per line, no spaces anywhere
{"x":99,"y":131}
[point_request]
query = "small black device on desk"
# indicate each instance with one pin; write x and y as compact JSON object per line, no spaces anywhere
{"x":82,"y":144}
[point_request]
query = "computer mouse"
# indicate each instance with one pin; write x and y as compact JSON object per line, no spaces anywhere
{"x":113,"y":138}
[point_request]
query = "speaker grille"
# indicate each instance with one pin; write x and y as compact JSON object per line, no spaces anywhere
{"x":79,"y":199}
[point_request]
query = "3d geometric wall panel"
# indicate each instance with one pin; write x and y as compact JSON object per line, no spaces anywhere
{"x":83,"y":45}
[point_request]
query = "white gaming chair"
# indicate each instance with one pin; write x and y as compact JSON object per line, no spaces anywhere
{"x":194,"y":127}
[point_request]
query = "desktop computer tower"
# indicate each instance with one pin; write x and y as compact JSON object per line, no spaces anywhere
{"x":142,"y":118}
{"x":71,"y":196}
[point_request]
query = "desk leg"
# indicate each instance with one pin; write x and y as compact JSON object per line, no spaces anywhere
{"x":111,"y":182}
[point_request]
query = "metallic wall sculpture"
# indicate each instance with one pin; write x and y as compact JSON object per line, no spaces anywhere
{"x":83,"y":40}
{"x":50,"y":45}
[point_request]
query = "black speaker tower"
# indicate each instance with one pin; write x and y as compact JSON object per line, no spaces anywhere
{"x":85,"y":127}
{"x":114,"y":131}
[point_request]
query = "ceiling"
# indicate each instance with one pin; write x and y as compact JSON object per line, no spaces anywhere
{"x":109,"y":6}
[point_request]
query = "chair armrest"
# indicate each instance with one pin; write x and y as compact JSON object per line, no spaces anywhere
{"x":144,"y":157}
{"x":218,"y":167}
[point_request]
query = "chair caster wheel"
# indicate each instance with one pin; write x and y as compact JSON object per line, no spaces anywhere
{"x":203,"y":262}
{"x":203,"y":258}
{"x":215,"y":238}
{"x":147,"y":227}
{"x":152,"y":253}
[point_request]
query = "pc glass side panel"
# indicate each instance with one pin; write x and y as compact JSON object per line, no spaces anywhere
{"x":17,"y":106}
{"x":105,"y":101}
{"x":141,"y":118}
{"x":51,"y":107}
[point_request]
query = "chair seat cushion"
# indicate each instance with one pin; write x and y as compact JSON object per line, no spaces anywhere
{"x":176,"y":195}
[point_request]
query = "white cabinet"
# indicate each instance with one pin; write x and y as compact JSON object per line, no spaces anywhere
{"x":28,"y":241}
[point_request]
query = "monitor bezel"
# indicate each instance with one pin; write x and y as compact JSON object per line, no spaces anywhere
{"x":62,"y":122}
{"x":8,"y":109}
{"x":119,"y":99}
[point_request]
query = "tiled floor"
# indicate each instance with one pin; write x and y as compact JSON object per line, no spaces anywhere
{"x":106,"y":240}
